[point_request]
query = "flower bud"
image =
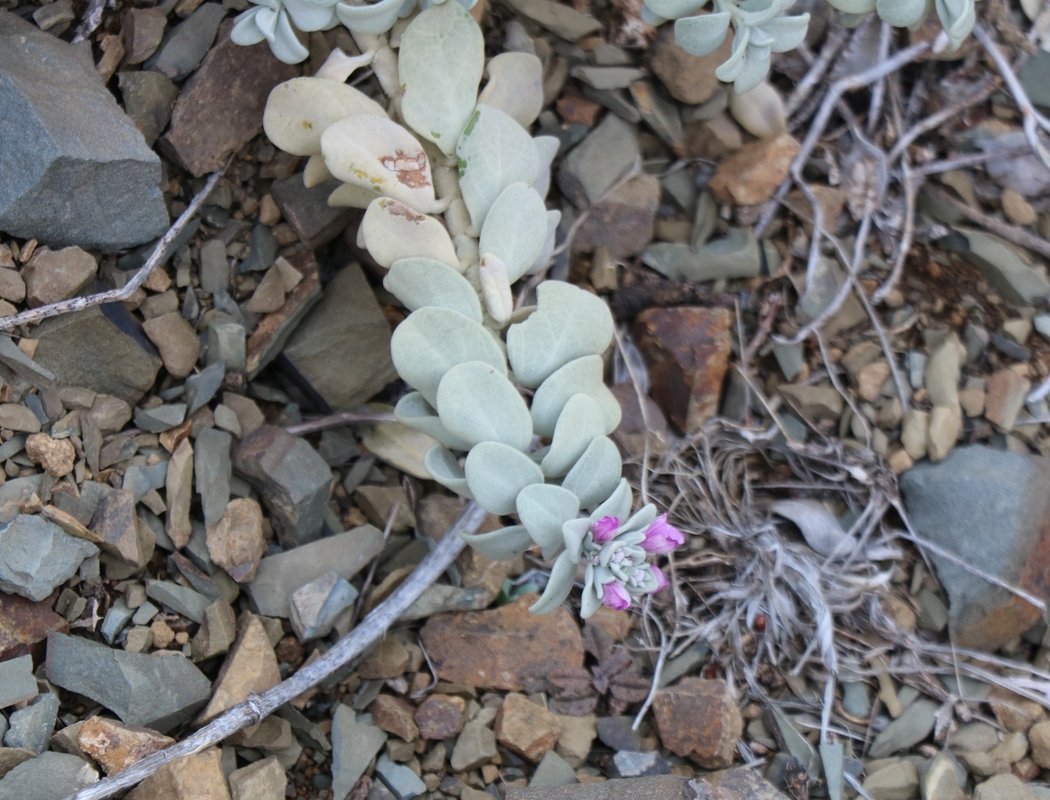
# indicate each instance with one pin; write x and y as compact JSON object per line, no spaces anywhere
{"x":661,"y":536}
{"x":605,"y":529}
{"x":615,"y":596}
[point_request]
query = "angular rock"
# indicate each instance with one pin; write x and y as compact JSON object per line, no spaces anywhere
{"x":730,"y":784}
{"x":636,"y":764}
{"x":220,"y":108}
{"x":12,"y":286}
{"x":315,"y":607}
{"x":699,"y":719}
{"x":751,"y":175}
{"x":31,"y":727}
{"x":394,"y":715}
{"x":595,"y":165}
{"x":577,"y":736}
{"x":440,"y":716}
{"x":525,"y":728}
{"x":292,"y":479}
{"x":101,"y":349}
{"x":179,"y":494}
{"x":49,"y":776}
{"x":199,"y":776}
{"x":475,"y":746}
{"x":895,"y":781}
{"x":17,"y":683}
{"x":25,"y":624}
{"x":142,"y":31}
{"x":1004,"y":267}
{"x":263,"y":780}
{"x":1005,"y":398}
{"x":623,"y":222}
{"x":503,"y":648}
{"x":180,"y":599}
{"x":118,"y":532}
{"x":115,"y":746}
{"x":216,"y":633}
{"x":56,"y":456}
{"x":212,"y":470}
{"x":36,"y":557}
{"x":272,"y":331}
{"x":306,"y":209}
{"x":236,"y":543}
{"x":18,"y":418}
{"x":53,"y":275}
{"x":1004,"y":787}
{"x":553,"y":770}
{"x":188,"y":42}
{"x":955,"y":504}
{"x":355,"y":743}
{"x":690,"y":79}
{"x":401,"y":780}
{"x":346,"y":327}
{"x":280,"y":575}
{"x":176,"y":341}
{"x":69,"y":133}
{"x":156,"y":691}
{"x":250,"y":668}
{"x":687,"y":350}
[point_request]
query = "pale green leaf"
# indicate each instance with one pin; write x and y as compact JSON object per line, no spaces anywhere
{"x":515,"y":229}
{"x":298,"y":111}
{"x":495,"y":289}
{"x":440,"y":63}
{"x":543,"y":508}
{"x":958,"y":18}
{"x":476,"y":403}
{"x":415,"y":412}
{"x":596,"y":474}
{"x":618,"y":504}
{"x":903,"y":13}
{"x":582,"y":376}
{"x":420,"y":282}
{"x":563,"y":573}
{"x":568,"y":323}
{"x":581,"y":422}
{"x":346,"y":195}
{"x":702,"y":35}
{"x":573,"y":532}
{"x":398,"y":445}
{"x":390,"y":231}
{"x":378,"y":154}
{"x":494,"y":152}
{"x":547,"y":251}
{"x":500,"y":545}
{"x":496,"y":473}
{"x":760,"y":112}
{"x":674,"y":9}
{"x":515,"y":85}
{"x":789,"y":32}
{"x":853,"y":6}
{"x":315,"y":173}
{"x":547,"y":150}
{"x":371,"y":18}
{"x":431,"y":341}
{"x":443,"y":467}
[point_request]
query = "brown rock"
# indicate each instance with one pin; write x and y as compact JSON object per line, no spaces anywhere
{"x":110,"y":414}
{"x":12,"y":287}
{"x":179,"y":487}
{"x":687,"y":350}
{"x":1039,"y":738}
{"x":53,"y":275}
{"x":143,"y":31}
{"x":198,"y":776}
{"x":1004,"y":398}
{"x":16,"y":417}
{"x":623,"y":222}
{"x":216,"y":632}
{"x":1018,"y":210}
{"x":237,"y":542}
{"x":440,"y":716}
{"x":263,"y":780}
{"x":502,"y":648}
{"x":1015,"y":713}
{"x":306,"y":209}
{"x":751,"y":175}
{"x":221,"y":105}
{"x":176,"y":341}
{"x":730,"y":784}
{"x":250,"y":668}
{"x":525,"y":728}
{"x":394,"y":715}
{"x":269,"y":294}
{"x":388,"y":660}
{"x":713,"y":138}
{"x":24,"y":625}
{"x":116,"y":746}
{"x":870,"y":380}
{"x":118,"y":532}
{"x":271,"y":332}
{"x":688,"y":78}
{"x":699,"y":719}
{"x":57,"y":456}
{"x":576,"y":110}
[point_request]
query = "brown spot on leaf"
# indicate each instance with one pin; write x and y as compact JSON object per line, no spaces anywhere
{"x":397,"y":209}
{"x":412,"y":172}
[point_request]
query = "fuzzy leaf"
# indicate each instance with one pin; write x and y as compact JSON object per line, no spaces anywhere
{"x":703,"y":34}
{"x":618,"y":504}
{"x":440,"y":63}
{"x":580,"y":422}
{"x":515,"y":229}
{"x":495,"y":289}
{"x":547,"y":251}
{"x":378,"y":154}
{"x":902,"y":13}
{"x":415,"y":412}
{"x":476,"y":403}
{"x":494,"y":152}
{"x":547,"y":149}
{"x":568,"y":323}
{"x":346,"y":195}
{"x":444,"y":468}
{"x":390,"y":231}
{"x":958,"y":18}
{"x":374,"y":18}
{"x":573,"y":532}
{"x":431,"y":341}
{"x":298,"y":111}
{"x":563,"y":573}
{"x":674,"y":9}
{"x":502,"y":544}
{"x":420,"y":282}
{"x":544,"y":508}
{"x":515,"y":86}
{"x":596,"y":474}
{"x":789,"y":32}
{"x":581,"y":376}
{"x":496,"y":473}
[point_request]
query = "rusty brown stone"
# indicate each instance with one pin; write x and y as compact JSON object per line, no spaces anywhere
{"x":394,"y":715}
{"x":623,"y":222}
{"x":525,"y":728}
{"x":503,"y":648}
{"x":198,"y":776}
{"x":24,"y":625}
{"x":56,"y":456}
{"x":699,"y":719}
{"x":250,"y":668}
{"x":688,"y":78}
{"x":116,"y":746}
{"x":576,"y":110}
{"x":440,"y":716}
{"x":237,"y":541}
{"x":687,"y":350}
{"x":752,"y":174}
{"x":118,"y":532}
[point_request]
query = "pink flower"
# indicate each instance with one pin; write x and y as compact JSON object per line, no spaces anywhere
{"x":661,"y":579}
{"x":605,"y":529}
{"x":662,"y":537}
{"x":614,"y":596}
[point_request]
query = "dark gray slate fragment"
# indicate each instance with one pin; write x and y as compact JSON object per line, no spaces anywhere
{"x":730,"y":784}
{"x":49,"y":776}
{"x":148,"y":99}
{"x":73,"y":167}
{"x":36,"y":557}
{"x":293,"y":480}
{"x":157,"y":691}
{"x":188,"y":42}
{"x":31,"y":727}
{"x":17,"y":683}
{"x":211,"y":466}
{"x":314,"y":221}
{"x":181,"y":599}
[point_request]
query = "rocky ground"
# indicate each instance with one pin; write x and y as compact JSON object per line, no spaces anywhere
{"x":190,"y":516}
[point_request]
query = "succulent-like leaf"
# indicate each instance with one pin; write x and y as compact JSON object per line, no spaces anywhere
{"x":496,"y":473}
{"x":440,"y":63}
{"x":958,"y":18}
{"x":378,"y":154}
{"x":515,"y":229}
{"x":399,"y":445}
{"x":444,"y":468}
{"x":618,"y":504}
{"x":903,"y":13}
{"x":788,"y":33}
{"x":311,"y":15}
{"x":568,"y":323}
{"x":596,"y":474}
{"x":760,"y":112}
{"x":547,"y":251}
{"x":420,"y":282}
{"x":390,"y":231}
{"x":640,"y":519}
{"x":703,"y":34}
{"x":298,"y":111}
{"x":563,"y":573}
{"x":495,"y":289}
{"x":674,"y":9}
{"x":502,"y":544}
{"x":431,"y":341}
{"x":573,"y":532}
{"x":853,"y":6}
{"x":515,"y":85}
{"x":581,"y":376}
{"x":371,"y":18}
{"x":547,"y":149}
{"x":315,"y":173}
{"x":415,"y":412}
{"x":494,"y":152}
{"x":543,"y":508}
{"x":346,"y":195}
{"x":476,"y":403}
{"x":580,"y":422}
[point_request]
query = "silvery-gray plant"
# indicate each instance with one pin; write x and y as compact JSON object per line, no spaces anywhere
{"x":470,"y":356}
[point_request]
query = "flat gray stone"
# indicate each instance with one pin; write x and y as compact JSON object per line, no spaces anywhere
{"x":31,"y":727}
{"x":187,"y":43}
{"x":280,"y":575}
{"x":180,"y":599}
{"x":315,"y":607}
{"x":355,"y":742}
{"x":160,"y":418}
{"x":36,"y":557}
{"x":314,"y":221}
{"x":203,"y":386}
{"x":347,"y":327}
{"x":148,"y":98}
{"x":553,"y":770}
{"x":399,"y":778}
{"x":1003,"y":266}
{"x":212,"y":470}
{"x":730,"y":784}
{"x":61,"y":130}
{"x":594,"y":166}
{"x":156,"y":691}
{"x":17,"y":683}
{"x":49,"y":776}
